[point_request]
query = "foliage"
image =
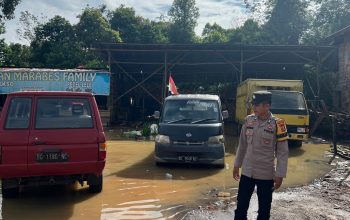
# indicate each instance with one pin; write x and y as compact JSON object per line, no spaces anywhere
{"x":16,"y":55}
{"x":146,"y":130}
{"x":94,"y":27}
{"x":136,"y":29}
{"x":287,"y":21}
{"x":329,"y":17}
{"x":7,"y":7}
{"x":27,"y":23}
{"x":125,"y":21}
{"x":55,"y":45}
{"x":214,"y":34}
{"x":250,"y":33}
{"x":183,"y":16}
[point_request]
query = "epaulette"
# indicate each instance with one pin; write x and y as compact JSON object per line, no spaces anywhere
{"x":251,"y":121}
{"x":281,"y":134}
{"x":251,"y":117}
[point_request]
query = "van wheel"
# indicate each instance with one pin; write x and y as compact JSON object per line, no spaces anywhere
{"x":221,"y":165}
{"x":296,"y":144}
{"x":9,"y":190}
{"x":95,"y":184}
{"x":159,"y":164}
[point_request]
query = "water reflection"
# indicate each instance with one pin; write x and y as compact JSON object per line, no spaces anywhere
{"x":44,"y":203}
{"x":141,"y":209}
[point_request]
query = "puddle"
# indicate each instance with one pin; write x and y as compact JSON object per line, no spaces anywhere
{"x":134,"y":188}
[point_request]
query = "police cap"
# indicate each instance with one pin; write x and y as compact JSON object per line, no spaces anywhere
{"x":261,"y":96}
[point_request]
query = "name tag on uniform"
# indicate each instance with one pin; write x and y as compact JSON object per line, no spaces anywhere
{"x":266,"y":141}
{"x":249,"y":132}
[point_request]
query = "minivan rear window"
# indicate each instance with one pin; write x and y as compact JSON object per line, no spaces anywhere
{"x":19,"y":113}
{"x":59,"y":113}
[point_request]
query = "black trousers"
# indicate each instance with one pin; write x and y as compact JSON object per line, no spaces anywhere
{"x":245,"y":191}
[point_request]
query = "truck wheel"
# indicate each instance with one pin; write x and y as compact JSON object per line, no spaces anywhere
{"x":9,"y":190}
{"x":95,"y":184}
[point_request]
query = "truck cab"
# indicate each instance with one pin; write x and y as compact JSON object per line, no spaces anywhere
{"x":287,"y":102}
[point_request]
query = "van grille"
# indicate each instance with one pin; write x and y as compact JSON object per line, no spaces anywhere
{"x":188,"y":143}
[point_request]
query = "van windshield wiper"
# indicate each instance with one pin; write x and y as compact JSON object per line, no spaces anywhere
{"x":178,"y":120}
{"x":203,"y":120}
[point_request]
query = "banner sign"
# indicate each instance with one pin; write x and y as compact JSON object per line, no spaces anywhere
{"x":94,"y":81}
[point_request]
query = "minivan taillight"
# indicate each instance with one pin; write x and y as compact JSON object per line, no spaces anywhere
{"x":102,"y":148}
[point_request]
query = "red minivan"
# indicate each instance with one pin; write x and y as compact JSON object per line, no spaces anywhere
{"x":51,"y":138}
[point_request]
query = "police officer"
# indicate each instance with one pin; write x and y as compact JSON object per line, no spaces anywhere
{"x":263,"y":138}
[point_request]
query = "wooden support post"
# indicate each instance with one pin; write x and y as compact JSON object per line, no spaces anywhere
{"x":334,"y":132}
{"x":241,"y":70}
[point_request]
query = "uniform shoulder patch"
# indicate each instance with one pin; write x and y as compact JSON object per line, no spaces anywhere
{"x":250,"y":120}
{"x":281,"y":133}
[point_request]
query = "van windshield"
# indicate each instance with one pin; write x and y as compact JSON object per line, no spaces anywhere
{"x":191,"y":111}
{"x":287,"y":100}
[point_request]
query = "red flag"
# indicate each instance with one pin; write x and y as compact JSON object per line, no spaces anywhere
{"x":172,"y":86}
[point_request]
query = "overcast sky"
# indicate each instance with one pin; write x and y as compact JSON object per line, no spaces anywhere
{"x":227,"y":13}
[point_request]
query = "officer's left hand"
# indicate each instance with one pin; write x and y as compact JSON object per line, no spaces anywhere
{"x":277,"y":182}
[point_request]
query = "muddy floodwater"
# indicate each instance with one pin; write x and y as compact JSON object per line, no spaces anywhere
{"x":134,"y":188}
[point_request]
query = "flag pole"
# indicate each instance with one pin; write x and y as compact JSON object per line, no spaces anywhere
{"x":165,"y":76}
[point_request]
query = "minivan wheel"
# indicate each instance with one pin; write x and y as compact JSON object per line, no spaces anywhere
{"x":295,"y":144}
{"x":95,"y":184}
{"x":8,"y":190}
{"x":220,"y":166}
{"x":159,"y":164}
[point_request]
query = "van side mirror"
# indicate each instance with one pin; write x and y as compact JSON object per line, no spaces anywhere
{"x":156,"y":114}
{"x":225,"y":114}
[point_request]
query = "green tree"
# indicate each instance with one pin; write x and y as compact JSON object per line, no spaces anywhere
{"x":214,"y":34}
{"x":183,"y":16}
{"x":27,"y":24}
{"x":125,"y":21}
{"x":55,"y":45}
{"x":250,"y":33}
{"x":94,"y":27}
{"x":330,"y":16}
{"x":16,"y":55}
{"x":154,"y":32}
{"x":285,"y":21}
{"x":136,"y":29}
{"x":7,"y":8}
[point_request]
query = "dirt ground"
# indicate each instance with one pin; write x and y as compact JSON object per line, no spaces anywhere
{"x":326,"y":198}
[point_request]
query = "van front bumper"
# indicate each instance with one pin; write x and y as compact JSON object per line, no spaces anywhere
{"x":199,"y":154}
{"x":298,"y":137}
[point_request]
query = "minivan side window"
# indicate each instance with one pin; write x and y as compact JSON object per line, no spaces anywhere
{"x":18,"y":115}
{"x":60,"y":113}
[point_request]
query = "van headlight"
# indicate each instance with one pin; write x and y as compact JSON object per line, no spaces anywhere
{"x":301,"y":130}
{"x":216,"y":139}
{"x":162,"y":139}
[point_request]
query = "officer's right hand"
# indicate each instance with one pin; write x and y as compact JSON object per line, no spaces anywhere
{"x":236,"y":173}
